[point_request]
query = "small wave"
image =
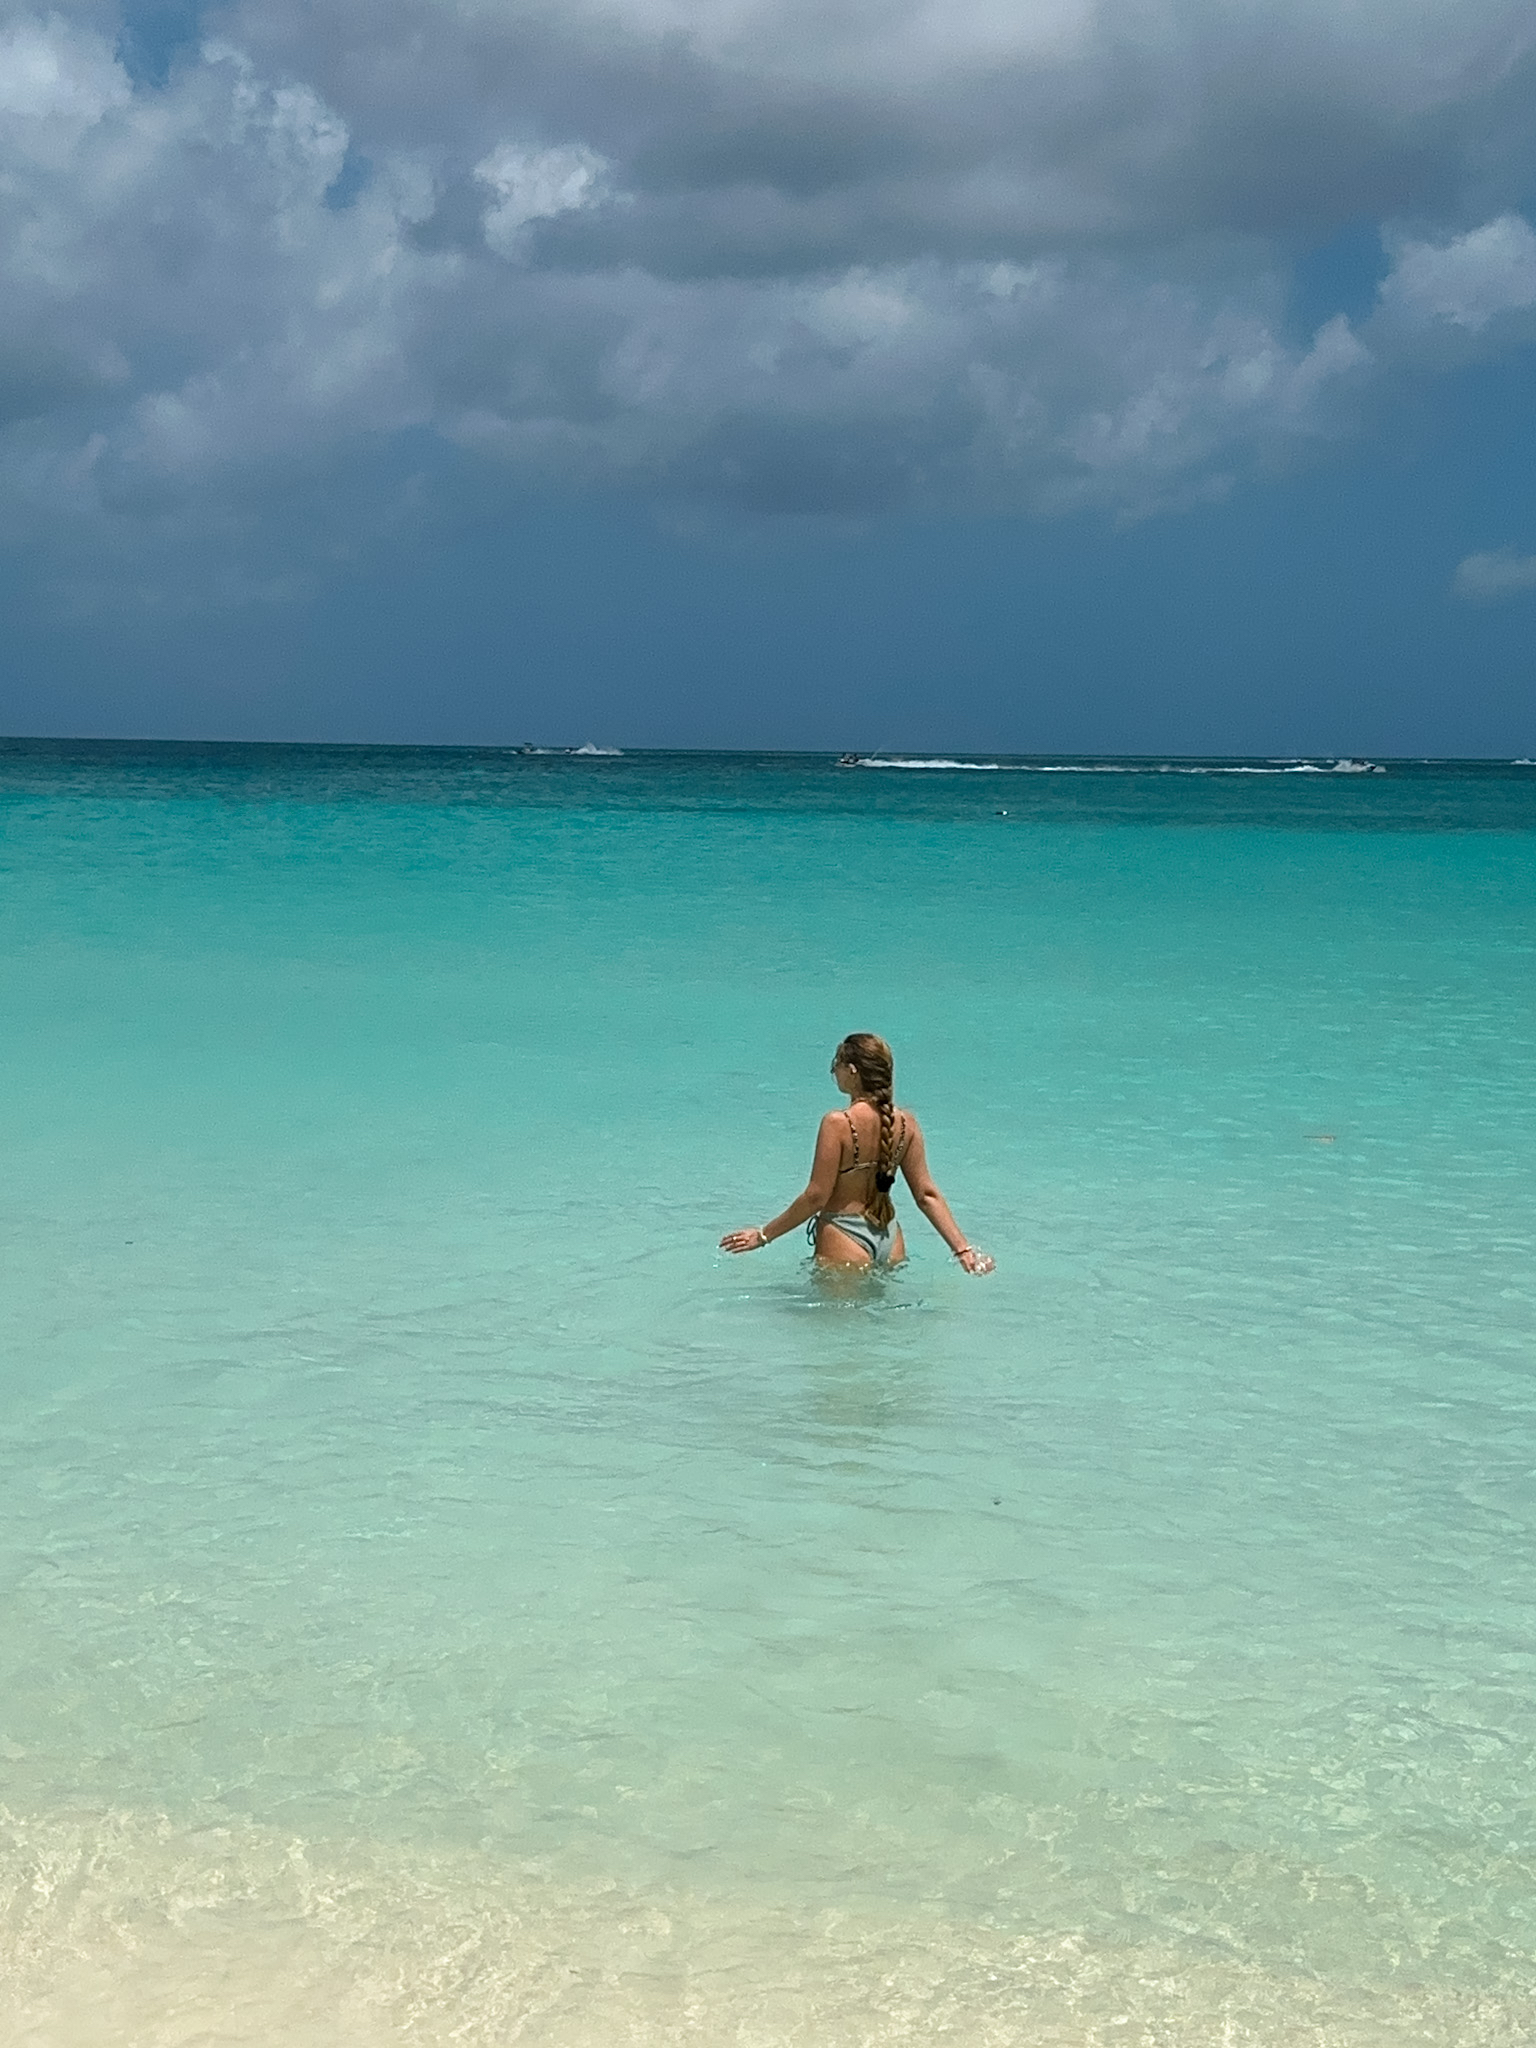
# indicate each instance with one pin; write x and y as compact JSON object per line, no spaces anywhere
{"x":590,"y":749}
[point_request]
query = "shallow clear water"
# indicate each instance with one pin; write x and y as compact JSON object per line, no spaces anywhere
{"x":441,"y":1600}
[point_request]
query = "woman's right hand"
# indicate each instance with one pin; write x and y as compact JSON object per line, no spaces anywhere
{"x":751,"y":1240}
{"x":975,"y":1261}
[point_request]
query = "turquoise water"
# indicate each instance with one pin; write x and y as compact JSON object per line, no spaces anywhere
{"x":445,"y":1602}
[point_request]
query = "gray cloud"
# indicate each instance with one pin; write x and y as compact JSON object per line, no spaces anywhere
{"x":833,"y":259}
{"x":978,"y":128}
{"x":1503,"y":573}
{"x":1468,"y":281}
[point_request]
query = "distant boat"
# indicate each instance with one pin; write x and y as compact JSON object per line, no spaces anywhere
{"x":1348,"y":766}
{"x":529,"y":748}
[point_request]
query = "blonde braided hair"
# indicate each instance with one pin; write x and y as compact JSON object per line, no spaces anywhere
{"x":875,"y":1064}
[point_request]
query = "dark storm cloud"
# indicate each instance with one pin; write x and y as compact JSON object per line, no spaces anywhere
{"x":1068,"y":120}
{"x":819,"y":259}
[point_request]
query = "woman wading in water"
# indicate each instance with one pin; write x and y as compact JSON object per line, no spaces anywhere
{"x":847,"y":1201}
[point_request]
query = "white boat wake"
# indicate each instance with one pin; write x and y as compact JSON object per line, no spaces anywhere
{"x":1343,"y":766}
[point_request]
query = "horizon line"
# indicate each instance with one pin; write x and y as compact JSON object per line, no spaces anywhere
{"x":549,"y":750}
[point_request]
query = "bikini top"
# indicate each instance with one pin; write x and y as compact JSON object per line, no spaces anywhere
{"x":856,"y":1162}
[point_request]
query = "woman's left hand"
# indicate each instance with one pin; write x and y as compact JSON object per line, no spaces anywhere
{"x":744,"y":1240}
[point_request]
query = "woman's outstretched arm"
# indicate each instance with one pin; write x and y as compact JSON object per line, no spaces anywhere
{"x":914,"y":1168}
{"x":818,"y":1192}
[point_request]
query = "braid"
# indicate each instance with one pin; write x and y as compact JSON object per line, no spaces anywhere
{"x":881,"y":1208}
{"x":872,"y":1060}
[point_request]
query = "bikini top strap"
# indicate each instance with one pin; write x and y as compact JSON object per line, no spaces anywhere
{"x":901,"y":1147}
